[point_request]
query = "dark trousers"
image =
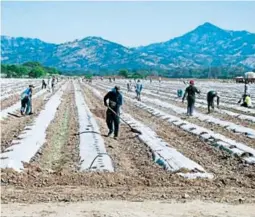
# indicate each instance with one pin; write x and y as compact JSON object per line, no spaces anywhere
{"x":138,"y":95}
{"x":44,"y":86}
{"x":112,"y":120}
{"x":190,"y":108}
{"x":25,"y":105}
{"x":210,"y":104}
{"x":244,"y":105}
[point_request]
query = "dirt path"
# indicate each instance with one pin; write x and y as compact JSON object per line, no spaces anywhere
{"x":9,"y":101}
{"x":136,"y":178}
{"x":129,"y":209}
{"x":223,"y":166}
{"x":13,"y":99}
{"x":215,"y":114}
{"x":216,"y":128}
{"x":60,"y":152}
{"x":131,"y":157}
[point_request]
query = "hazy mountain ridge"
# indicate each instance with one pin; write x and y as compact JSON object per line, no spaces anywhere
{"x":206,"y":45}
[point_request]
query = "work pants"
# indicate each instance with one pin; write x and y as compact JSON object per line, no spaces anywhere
{"x":26,"y":105}
{"x":210,"y":104}
{"x":112,"y":120}
{"x":190,"y":108}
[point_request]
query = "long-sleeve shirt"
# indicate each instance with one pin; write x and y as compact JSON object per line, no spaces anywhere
{"x":191,"y":92}
{"x":248,"y":101}
{"x":211,"y":95}
{"x":115,"y":100}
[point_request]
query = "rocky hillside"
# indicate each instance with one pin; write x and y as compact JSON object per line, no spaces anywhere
{"x":206,"y":45}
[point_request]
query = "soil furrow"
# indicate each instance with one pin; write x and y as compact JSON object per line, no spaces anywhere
{"x":12,"y":100}
{"x":53,"y":174}
{"x":215,"y":161}
{"x":216,"y":128}
{"x":60,"y":152}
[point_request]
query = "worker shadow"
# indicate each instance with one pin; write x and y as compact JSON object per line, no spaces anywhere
{"x":14,"y":115}
{"x":128,"y":137}
{"x":77,"y":134}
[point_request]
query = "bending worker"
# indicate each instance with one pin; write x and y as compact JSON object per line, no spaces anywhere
{"x":179,"y":93}
{"x":26,"y":101}
{"x":114,"y":98}
{"x":191,"y":91}
{"x":210,"y":100}
{"x":247,"y":101}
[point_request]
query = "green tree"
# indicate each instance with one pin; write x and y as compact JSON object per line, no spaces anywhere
{"x":3,"y":69}
{"x":37,"y":72}
{"x":124,"y":73}
{"x":23,"y":71}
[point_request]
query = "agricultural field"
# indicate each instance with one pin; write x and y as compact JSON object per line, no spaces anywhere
{"x":61,"y":152}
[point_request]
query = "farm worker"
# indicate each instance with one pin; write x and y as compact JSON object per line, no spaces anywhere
{"x":138,"y":90}
{"x":114,"y":98}
{"x":210,"y":99}
{"x":44,"y":85}
{"x":246,"y":87}
{"x":179,"y":93}
{"x":191,"y":91}
{"x":128,"y":87}
{"x":53,"y":83}
{"x":247,"y":101}
{"x":26,"y":101}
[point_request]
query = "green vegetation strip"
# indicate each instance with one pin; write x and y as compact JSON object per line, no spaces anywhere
{"x":52,"y":158}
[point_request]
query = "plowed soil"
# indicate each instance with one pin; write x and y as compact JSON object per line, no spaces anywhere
{"x":53,"y":174}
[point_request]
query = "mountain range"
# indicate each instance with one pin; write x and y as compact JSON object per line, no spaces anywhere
{"x":207,"y":45}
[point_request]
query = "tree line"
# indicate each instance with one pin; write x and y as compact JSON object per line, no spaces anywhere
{"x":28,"y":69}
{"x":212,"y":72}
{"x":36,"y":70}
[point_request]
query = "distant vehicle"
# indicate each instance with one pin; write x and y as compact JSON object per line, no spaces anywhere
{"x":239,"y":79}
{"x":248,"y":76}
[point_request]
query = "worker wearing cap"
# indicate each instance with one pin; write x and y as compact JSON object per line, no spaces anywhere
{"x":26,"y":97}
{"x":114,"y":98}
{"x":191,"y":91}
{"x":210,"y":100}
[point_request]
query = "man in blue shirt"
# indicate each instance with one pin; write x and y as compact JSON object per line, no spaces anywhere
{"x":115,"y":100}
{"x":26,"y":101}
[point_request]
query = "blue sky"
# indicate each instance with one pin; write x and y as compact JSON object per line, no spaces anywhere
{"x":128,"y":23}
